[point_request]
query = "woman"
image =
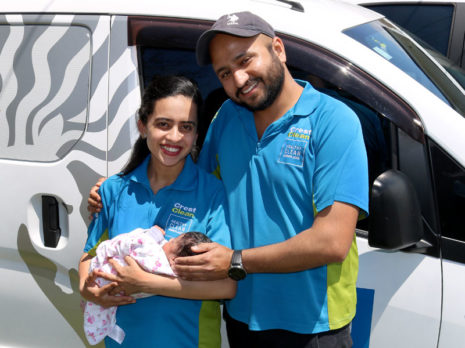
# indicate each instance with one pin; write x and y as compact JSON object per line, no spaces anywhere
{"x":161,"y":186}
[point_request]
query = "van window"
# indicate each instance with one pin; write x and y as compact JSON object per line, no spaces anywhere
{"x":391,"y":44}
{"x":44,"y":82}
{"x":167,"y":61}
{"x":449,"y":179}
{"x":164,"y":61}
{"x":373,"y":36}
{"x":414,"y":162}
{"x":431,"y":23}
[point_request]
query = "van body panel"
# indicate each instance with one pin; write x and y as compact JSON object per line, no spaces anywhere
{"x":407,"y":288}
{"x":453,"y":320}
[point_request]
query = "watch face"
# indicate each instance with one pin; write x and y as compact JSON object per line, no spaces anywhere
{"x":236,"y":273}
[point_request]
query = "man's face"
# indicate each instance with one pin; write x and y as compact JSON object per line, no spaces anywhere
{"x":250,"y":71}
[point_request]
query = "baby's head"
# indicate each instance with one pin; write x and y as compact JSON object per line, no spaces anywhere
{"x":181,"y":245}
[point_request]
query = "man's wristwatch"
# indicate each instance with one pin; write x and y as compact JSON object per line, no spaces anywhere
{"x":236,"y":269}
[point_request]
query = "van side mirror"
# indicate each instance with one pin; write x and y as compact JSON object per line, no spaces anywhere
{"x":395,"y":215}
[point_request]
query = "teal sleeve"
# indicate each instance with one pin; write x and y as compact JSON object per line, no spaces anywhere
{"x":341,"y":169}
{"x":208,"y":159}
{"x":217,"y":226}
{"x":98,"y":229}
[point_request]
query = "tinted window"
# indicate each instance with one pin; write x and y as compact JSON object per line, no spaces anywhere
{"x":453,"y":69}
{"x":432,"y":23}
{"x":450,"y":191}
{"x":400,"y":50}
{"x":413,"y":161}
{"x":161,"y":61}
{"x":167,"y":61}
{"x":375,"y":37}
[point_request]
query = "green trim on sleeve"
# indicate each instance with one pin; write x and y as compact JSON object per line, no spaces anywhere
{"x":105,"y":236}
{"x":341,"y":285}
{"x":342,"y":293}
{"x":217,"y":171}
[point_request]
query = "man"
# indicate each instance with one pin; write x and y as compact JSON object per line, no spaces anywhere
{"x":293,"y":164}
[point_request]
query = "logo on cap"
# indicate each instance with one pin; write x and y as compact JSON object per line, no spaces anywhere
{"x":232,"y":19}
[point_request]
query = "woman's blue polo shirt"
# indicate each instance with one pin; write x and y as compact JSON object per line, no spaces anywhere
{"x":309,"y":158}
{"x":194,"y":202}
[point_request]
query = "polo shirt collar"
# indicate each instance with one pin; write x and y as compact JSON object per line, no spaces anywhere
{"x":186,"y":180}
{"x":304,"y":107}
{"x":307,"y":103}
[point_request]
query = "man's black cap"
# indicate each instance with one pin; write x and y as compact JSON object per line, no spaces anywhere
{"x":242,"y":24}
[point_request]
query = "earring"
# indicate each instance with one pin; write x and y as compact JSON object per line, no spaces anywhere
{"x":195,"y":153}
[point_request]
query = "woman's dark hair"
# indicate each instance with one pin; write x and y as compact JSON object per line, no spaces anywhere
{"x":188,"y":240}
{"x":160,"y":87}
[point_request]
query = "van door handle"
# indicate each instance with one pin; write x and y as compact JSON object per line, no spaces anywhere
{"x":50,"y":221}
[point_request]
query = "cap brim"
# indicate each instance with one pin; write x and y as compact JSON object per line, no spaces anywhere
{"x":202,"y":49}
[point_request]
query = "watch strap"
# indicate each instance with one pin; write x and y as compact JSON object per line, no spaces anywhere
{"x":236,"y":259}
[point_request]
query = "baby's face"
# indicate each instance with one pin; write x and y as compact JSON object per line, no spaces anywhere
{"x":171,"y":247}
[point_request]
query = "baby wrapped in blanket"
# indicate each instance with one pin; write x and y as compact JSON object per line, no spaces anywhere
{"x":152,"y":252}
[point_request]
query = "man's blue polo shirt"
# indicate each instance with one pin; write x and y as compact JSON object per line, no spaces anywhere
{"x":194,"y":202}
{"x":309,"y":158}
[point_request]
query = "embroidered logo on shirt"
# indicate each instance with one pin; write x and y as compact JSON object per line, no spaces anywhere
{"x":183,"y":210}
{"x":180,"y":220}
{"x":299,"y":133}
{"x":293,"y":148}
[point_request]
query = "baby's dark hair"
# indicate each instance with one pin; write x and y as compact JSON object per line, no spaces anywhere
{"x":188,"y":240}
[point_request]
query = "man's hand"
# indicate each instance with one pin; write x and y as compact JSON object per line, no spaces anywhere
{"x":94,"y":202}
{"x":127,"y":278}
{"x":101,"y":296}
{"x":212,"y":264}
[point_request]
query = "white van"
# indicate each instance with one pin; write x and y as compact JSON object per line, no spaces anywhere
{"x":71,"y":77}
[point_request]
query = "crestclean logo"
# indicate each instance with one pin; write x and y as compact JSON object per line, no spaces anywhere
{"x":183,"y":210}
{"x":179,"y":220}
{"x":232,"y":19}
{"x":299,"y":133}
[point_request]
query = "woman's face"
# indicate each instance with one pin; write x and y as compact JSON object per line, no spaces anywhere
{"x":171,"y":130}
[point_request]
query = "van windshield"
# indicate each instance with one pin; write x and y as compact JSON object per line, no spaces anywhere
{"x":393,"y":45}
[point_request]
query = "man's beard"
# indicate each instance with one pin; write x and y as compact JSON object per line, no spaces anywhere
{"x":273,"y":84}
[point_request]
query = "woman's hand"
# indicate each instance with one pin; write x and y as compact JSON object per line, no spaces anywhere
{"x":128,"y":279}
{"x":94,"y":202}
{"x":102,"y":296}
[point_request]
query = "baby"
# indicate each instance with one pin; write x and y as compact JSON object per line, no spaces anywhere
{"x":153,"y":253}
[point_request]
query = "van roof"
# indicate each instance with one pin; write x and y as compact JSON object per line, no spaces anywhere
{"x":324,"y":14}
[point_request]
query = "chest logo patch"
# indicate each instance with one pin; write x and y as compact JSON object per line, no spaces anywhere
{"x":294,"y":147}
{"x":180,"y":220}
